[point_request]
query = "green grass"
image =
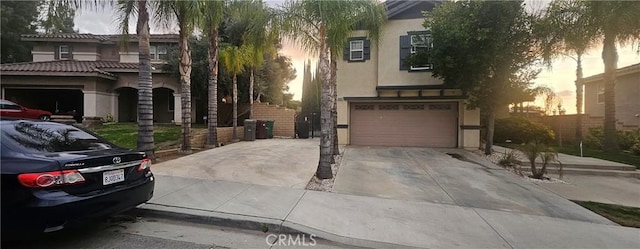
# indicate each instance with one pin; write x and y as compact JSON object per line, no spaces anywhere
{"x":620,"y":157}
{"x":623,"y":215}
{"x":126,"y":134}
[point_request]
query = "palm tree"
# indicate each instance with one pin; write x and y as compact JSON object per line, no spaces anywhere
{"x":213,"y":14}
{"x":186,"y":13}
{"x":320,"y":27}
{"x":234,"y":60}
{"x":259,"y":37}
{"x":566,"y":31}
{"x":127,"y":8}
{"x":616,"y":22}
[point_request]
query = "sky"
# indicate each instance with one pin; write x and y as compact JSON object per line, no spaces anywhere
{"x":560,"y":77}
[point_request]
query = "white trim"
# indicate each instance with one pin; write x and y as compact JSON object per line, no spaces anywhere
{"x":351,"y":50}
{"x":414,"y":50}
{"x":42,"y":53}
{"x":68,"y":53}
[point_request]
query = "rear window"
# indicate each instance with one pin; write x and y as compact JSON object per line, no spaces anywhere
{"x":50,"y":137}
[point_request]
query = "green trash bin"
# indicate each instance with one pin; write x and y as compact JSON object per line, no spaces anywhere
{"x":269,"y":128}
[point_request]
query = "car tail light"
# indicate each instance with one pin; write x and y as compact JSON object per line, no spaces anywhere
{"x":49,"y":179}
{"x":145,"y":164}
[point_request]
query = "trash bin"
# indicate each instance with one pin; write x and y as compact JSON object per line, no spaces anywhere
{"x":249,"y":130}
{"x":302,"y":128}
{"x":269,"y":128}
{"x":261,"y":132}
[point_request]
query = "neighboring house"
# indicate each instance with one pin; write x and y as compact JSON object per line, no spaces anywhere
{"x":88,"y":75}
{"x":627,"y":92}
{"x":383,"y":102}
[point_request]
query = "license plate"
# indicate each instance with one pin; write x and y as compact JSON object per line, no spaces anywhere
{"x":111,"y":177}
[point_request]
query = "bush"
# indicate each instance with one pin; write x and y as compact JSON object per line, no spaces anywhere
{"x":625,"y":139}
{"x":520,"y":130}
{"x":635,"y":149}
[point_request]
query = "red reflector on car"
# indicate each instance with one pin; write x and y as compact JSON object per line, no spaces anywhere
{"x":145,"y":164}
{"x":48,"y":179}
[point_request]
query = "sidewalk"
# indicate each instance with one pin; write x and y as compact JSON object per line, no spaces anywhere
{"x":373,"y":222}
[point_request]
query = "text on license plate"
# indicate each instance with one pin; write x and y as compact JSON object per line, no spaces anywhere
{"x":110,"y":177}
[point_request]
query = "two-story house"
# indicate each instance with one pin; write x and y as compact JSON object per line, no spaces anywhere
{"x":627,"y":96}
{"x":91,"y":76}
{"x":383,"y":102}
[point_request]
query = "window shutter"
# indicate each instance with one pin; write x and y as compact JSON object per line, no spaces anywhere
{"x":56,"y":52}
{"x":345,"y":50}
{"x":367,"y":50}
{"x":70,"y":52}
{"x":405,"y":50}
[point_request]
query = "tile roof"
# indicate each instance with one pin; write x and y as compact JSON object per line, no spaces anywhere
{"x":68,"y":66}
{"x":98,"y":38}
{"x":395,"y":7}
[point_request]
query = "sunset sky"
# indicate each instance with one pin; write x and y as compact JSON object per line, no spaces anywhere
{"x":560,"y":77}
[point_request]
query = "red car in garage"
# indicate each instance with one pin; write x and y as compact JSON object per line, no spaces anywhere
{"x":10,"y":109}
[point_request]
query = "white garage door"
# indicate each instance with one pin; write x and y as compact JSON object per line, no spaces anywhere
{"x":404,"y":124}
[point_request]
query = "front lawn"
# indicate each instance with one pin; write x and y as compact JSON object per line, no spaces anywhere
{"x":126,"y":134}
{"x":623,"y":215}
{"x":620,"y":157}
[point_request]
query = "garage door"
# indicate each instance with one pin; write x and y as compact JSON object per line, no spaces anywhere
{"x":404,"y":124}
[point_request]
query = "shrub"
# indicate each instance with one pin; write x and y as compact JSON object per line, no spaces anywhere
{"x":508,"y":159}
{"x":635,"y":149}
{"x":625,"y":139}
{"x":520,"y":130}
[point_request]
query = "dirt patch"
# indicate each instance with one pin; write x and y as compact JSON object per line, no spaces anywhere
{"x":326,"y":185}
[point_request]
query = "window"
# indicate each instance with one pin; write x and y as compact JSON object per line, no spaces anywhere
{"x":64,"y":52}
{"x":9,"y":106}
{"x":600,"y":94}
{"x":158,"y":52}
{"x":420,"y":43}
{"x":356,"y":50}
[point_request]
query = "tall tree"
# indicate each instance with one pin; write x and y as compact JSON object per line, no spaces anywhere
{"x":187,"y":14}
{"x":234,"y":60}
{"x":126,"y":9}
{"x":617,"y":22}
{"x":504,"y":32}
{"x":322,"y":26}
{"x":213,"y":14}
{"x":58,"y":18}
{"x":565,"y":31}
{"x":16,"y":18}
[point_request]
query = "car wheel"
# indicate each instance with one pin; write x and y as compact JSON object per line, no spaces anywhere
{"x":45,"y":117}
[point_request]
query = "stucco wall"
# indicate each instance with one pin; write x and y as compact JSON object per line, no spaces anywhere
{"x":389,"y":73}
{"x":358,"y":79}
{"x":627,"y":92}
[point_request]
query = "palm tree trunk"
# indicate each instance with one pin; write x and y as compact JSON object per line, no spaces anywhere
{"x":212,"y":115}
{"x":324,"y":165}
{"x":235,"y":107}
{"x":579,"y":99}
{"x":145,"y":85}
{"x":491,"y":120}
{"x":251,"y":80}
{"x":185,"y":83}
{"x":610,"y":59}
{"x":334,"y":106}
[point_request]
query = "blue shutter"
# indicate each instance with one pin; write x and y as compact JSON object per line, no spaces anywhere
{"x":405,"y":50}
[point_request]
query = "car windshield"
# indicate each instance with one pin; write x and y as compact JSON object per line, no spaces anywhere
{"x":50,"y":137}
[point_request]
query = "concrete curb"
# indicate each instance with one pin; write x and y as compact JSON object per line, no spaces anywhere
{"x":266,"y":225}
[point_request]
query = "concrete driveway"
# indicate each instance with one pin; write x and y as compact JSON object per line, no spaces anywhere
{"x":272,"y":162}
{"x":423,"y":174}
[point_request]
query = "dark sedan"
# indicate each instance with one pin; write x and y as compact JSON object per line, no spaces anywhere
{"x":56,"y":175}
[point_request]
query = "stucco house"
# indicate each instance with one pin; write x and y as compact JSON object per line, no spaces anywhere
{"x":383,"y":102}
{"x":627,"y":92}
{"x":91,"y":76}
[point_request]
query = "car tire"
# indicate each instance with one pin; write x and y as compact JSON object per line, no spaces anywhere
{"x":45,"y":117}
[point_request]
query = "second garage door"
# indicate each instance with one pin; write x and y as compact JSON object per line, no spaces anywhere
{"x":404,"y":124}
